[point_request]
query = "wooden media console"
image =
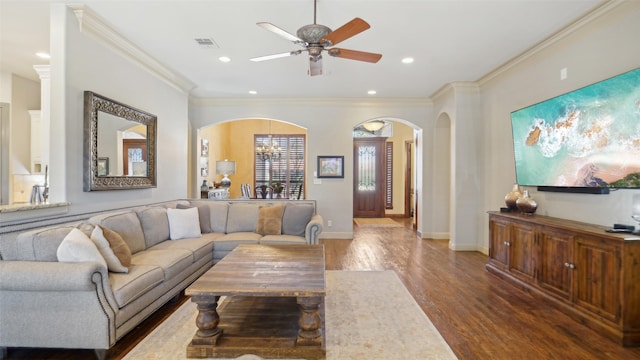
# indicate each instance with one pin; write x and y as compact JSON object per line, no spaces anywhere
{"x":592,"y":275}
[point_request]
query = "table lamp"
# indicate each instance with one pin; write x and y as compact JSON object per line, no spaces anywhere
{"x":225,"y":168}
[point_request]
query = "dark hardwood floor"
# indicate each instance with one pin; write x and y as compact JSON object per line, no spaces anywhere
{"x":479,"y":315}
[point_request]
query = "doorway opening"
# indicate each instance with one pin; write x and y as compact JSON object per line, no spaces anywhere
{"x":384,"y":174}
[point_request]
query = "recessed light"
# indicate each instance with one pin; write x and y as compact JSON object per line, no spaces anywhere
{"x":224,"y":59}
{"x":252,"y":92}
{"x":372,"y":92}
{"x":407,"y":60}
{"x":43,"y":55}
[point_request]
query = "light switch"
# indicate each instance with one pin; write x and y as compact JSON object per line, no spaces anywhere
{"x":563,"y":73}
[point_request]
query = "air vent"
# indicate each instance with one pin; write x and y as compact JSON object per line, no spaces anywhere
{"x":207,"y":43}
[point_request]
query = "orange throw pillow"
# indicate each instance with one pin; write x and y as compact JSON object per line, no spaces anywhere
{"x":119,"y":247}
{"x":270,"y":220}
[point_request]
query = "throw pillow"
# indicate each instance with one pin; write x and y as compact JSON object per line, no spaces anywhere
{"x":77,"y":247}
{"x":270,"y":220}
{"x":118,"y":245}
{"x":204,"y":214}
{"x":101,"y":242}
{"x":184,"y":223}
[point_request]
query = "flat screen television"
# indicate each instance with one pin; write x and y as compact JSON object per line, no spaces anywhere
{"x":587,"y":140}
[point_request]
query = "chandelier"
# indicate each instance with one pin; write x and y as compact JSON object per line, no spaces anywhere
{"x":269,"y":150}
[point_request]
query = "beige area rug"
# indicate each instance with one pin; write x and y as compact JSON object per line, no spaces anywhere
{"x":368,"y":315}
{"x":380,"y":222}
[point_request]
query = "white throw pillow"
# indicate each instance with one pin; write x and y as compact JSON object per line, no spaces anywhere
{"x":77,"y":247}
{"x":101,"y":242}
{"x":184,"y":223}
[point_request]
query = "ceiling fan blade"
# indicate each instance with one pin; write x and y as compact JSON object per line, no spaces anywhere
{"x":355,"y":55}
{"x":276,"y":30}
{"x":276,"y":56}
{"x":315,"y":66}
{"x":345,"y":31}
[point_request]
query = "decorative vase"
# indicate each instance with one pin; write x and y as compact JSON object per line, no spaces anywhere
{"x":511,"y":198}
{"x":526,"y":204}
{"x":204,"y":186}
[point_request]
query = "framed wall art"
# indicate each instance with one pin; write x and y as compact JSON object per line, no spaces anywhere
{"x":331,"y":167}
{"x":103,"y":166}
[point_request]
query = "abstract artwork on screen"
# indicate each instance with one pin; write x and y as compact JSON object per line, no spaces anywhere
{"x":589,"y":137}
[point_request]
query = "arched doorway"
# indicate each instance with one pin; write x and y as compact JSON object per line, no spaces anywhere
{"x":235,"y":140}
{"x":385,"y":169}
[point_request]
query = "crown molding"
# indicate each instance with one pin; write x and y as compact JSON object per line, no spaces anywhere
{"x":312,"y":102}
{"x":89,"y":22}
{"x":569,"y":29}
{"x":460,"y":86}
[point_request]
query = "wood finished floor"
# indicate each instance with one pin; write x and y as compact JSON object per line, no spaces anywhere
{"x":479,"y":315}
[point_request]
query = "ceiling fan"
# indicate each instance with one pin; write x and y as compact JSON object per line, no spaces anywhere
{"x":315,"y":38}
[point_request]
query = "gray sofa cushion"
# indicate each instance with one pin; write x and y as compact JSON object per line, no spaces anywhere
{"x":230,"y":241}
{"x":155,"y":225}
{"x":172,"y":261}
{"x":204,"y":215}
{"x":140,"y":279}
{"x":242,"y":218}
{"x":295,"y":218}
{"x":41,"y":244}
{"x":127,"y":225}
{"x":199,"y":247}
{"x":218,"y":211}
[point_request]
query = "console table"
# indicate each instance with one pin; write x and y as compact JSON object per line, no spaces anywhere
{"x":591,"y":275}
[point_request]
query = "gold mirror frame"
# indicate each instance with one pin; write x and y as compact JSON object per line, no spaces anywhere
{"x":93,"y":103}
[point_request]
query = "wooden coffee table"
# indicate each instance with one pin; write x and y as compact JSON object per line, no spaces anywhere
{"x":274,"y":305}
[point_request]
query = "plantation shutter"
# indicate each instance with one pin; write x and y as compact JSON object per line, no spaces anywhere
{"x":286,"y":170}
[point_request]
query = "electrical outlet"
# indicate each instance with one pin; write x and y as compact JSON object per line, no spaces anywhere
{"x":329,"y":223}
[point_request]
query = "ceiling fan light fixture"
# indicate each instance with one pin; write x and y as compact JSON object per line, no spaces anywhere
{"x":316,"y":38}
{"x":374,"y":125}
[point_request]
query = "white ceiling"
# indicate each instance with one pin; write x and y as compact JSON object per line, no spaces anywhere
{"x":451,"y":40}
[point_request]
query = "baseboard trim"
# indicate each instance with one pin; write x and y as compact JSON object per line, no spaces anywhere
{"x":435,"y":235}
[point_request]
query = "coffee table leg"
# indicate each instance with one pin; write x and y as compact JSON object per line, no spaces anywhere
{"x":310,"y":321}
{"x":207,"y":320}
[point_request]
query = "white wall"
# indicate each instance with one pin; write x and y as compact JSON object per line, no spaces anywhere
{"x":329,"y":124}
{"x":82,"y":62}
{"x":25,"y":97}
{"x":598,"y":50}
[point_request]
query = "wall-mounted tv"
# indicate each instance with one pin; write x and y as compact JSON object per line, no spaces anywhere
{"x":587,"y":140}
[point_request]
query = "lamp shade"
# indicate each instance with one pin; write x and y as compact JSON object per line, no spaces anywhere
{"x":225,"y":167}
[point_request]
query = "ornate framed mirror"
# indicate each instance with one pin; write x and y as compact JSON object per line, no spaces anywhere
{"x":119,"y":145}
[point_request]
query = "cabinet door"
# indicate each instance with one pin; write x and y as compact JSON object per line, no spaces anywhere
{"x":522,"y":250}
{"x":499,"y":238}
{"x":597,"y":276}
{"x":554,"y":262}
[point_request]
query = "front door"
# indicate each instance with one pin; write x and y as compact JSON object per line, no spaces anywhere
{"x":368,"y":178}
{"x":134,"y":157}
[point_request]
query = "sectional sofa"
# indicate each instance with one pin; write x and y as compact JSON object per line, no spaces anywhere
{"x":57,"y":291}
